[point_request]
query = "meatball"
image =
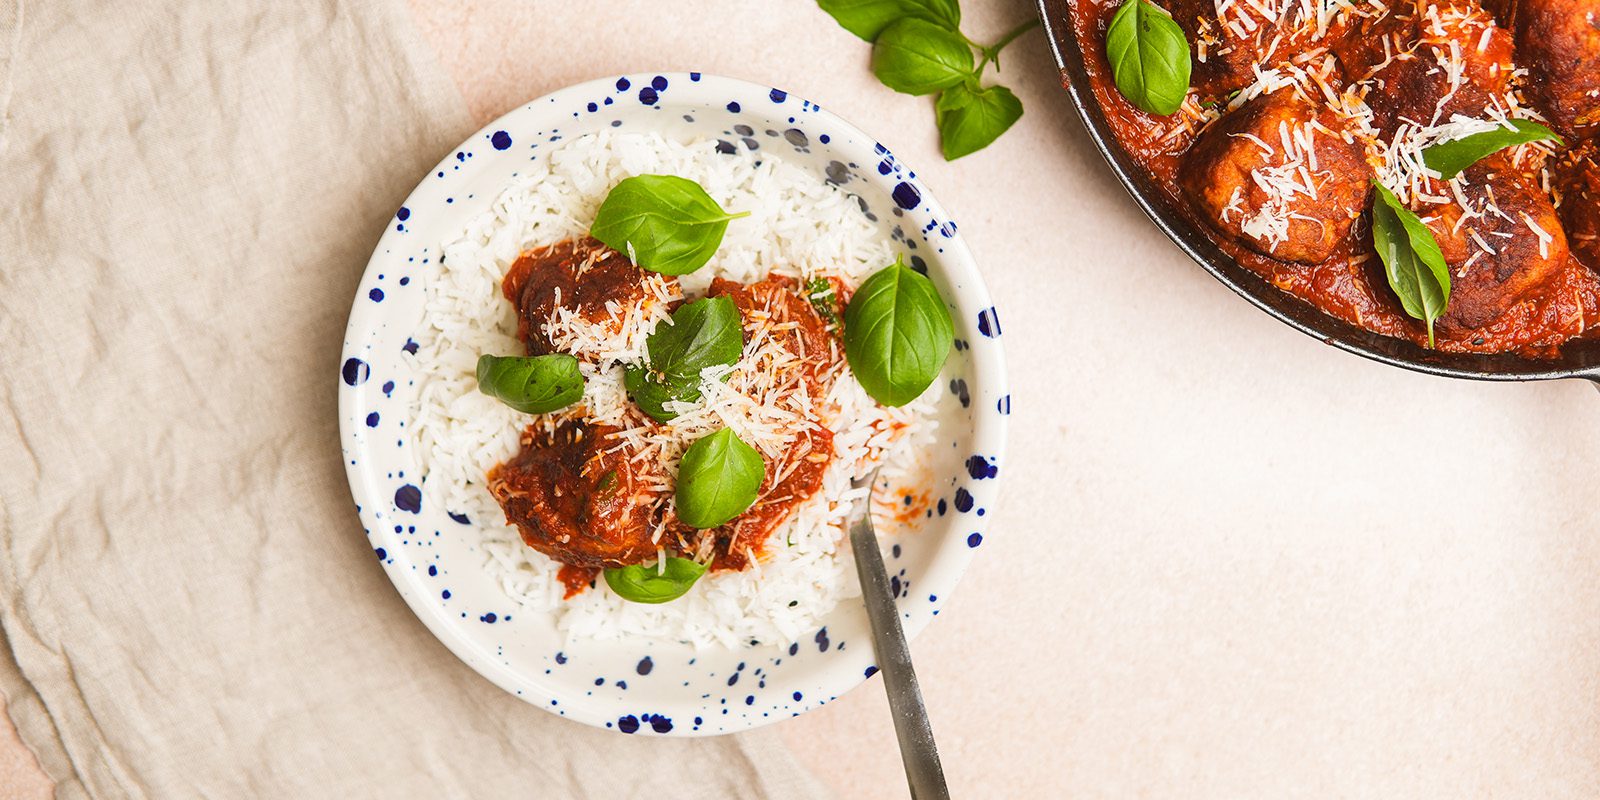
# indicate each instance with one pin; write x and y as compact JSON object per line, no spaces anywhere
{"x":1224,"y":47}
{"x":1440,"y":61}
{"x":1227,"y":45}
{"x":1503,"y":245}
{"x":583,"y":277}
{"x":797,"y":322}
{"x":1579,"y":190}
{"x":1279,"y":176}
{"x":1559,"y":42}
{"x":576,"y":497}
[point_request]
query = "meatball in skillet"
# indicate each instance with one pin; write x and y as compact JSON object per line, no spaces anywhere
{"x":1504,"y":245}
{"x":1559,"y":42}
{"x":1430,"y":62}
{"x":1578,"y":187}
{"x":1279,"y":176}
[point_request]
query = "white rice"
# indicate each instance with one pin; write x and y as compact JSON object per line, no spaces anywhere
{"x":798,"y":226}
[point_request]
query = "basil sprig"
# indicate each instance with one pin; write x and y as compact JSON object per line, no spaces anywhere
{"x":704,"y":333}
{"x":1450,"y":158}
{"x":718,"y":479}
{"x":652,"y":583}
{"x":663,"y":223}
{"x":897,"y":334}
{"x":1412,"y":261}
{"x":531,"y":384}
{"x":919,"y":49}
{"x":1149,"y":57}
{"x":974,"y":117}
{"x":868,"y":18}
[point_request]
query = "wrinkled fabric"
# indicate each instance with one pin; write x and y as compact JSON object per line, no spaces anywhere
{"x":190,"y":608}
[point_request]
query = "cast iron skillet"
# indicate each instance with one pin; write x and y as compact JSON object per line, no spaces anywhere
{"x":1579,"y":359}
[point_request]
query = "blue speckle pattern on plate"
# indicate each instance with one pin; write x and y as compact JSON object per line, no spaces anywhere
{"x":640,"y":686}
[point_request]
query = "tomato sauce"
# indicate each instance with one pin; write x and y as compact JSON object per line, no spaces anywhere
{"x":574,"y":491}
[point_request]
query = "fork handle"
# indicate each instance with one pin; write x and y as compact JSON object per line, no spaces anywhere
{"x":923,"y":770}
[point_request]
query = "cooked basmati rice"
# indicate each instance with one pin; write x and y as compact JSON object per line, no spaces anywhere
{"x":798,"y":226}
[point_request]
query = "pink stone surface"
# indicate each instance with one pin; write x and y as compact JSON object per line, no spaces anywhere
{"x":1230,"y":561}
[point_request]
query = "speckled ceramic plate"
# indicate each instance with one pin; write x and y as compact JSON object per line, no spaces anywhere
{"x":652,"y":687}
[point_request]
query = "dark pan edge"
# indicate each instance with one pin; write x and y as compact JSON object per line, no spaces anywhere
{"x":1579,"y":359}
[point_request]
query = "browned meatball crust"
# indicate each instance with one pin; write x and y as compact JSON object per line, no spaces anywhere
{"x":1509,"y":244}
{"x":1224,"y":48}
{"x":1229,"y":38}
{"x":1579,"y":187}
{"x":1431,"y":61}
{"x":1559,"y":42}
{"x":1278,"y":176}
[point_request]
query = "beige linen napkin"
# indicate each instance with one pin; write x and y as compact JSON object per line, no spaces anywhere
{"x":189,"y":605}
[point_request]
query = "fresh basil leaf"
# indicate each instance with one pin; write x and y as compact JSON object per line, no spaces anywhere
{"x":1450,"y":158}
{"x":1149,"y":57}
{"x":897,"y":334}
{"x":531,"y":384}
{"x":971,"y":118}
{"x":915,"y":56}
{"x":944,"y":12}
{"x":1412,"y":261}
{"x":868,"y":18}
{"x":663,"y":223}
{"x":704,"y":333}
{"x":651,"y":391}
{"x":718,"y":479}
{"x":650,"y":583}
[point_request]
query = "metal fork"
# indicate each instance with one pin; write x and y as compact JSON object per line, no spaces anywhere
{"x":917,"y":750}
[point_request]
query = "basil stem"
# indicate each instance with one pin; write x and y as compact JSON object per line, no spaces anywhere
{"x":918,"y":48}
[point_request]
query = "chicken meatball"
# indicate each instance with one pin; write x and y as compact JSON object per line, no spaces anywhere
{"x":799,"y":323}
{"x":1437,"y":61}
{"x":1501,"y":247}
{"x":582,"y":277}
{"x":1559,"y":42}
{"x":1224,"y":47}
{"x":1278,"y":176}
{"x":576,"y":497}
{"x":1229,"y":38}
{"x":1579,"y":187}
